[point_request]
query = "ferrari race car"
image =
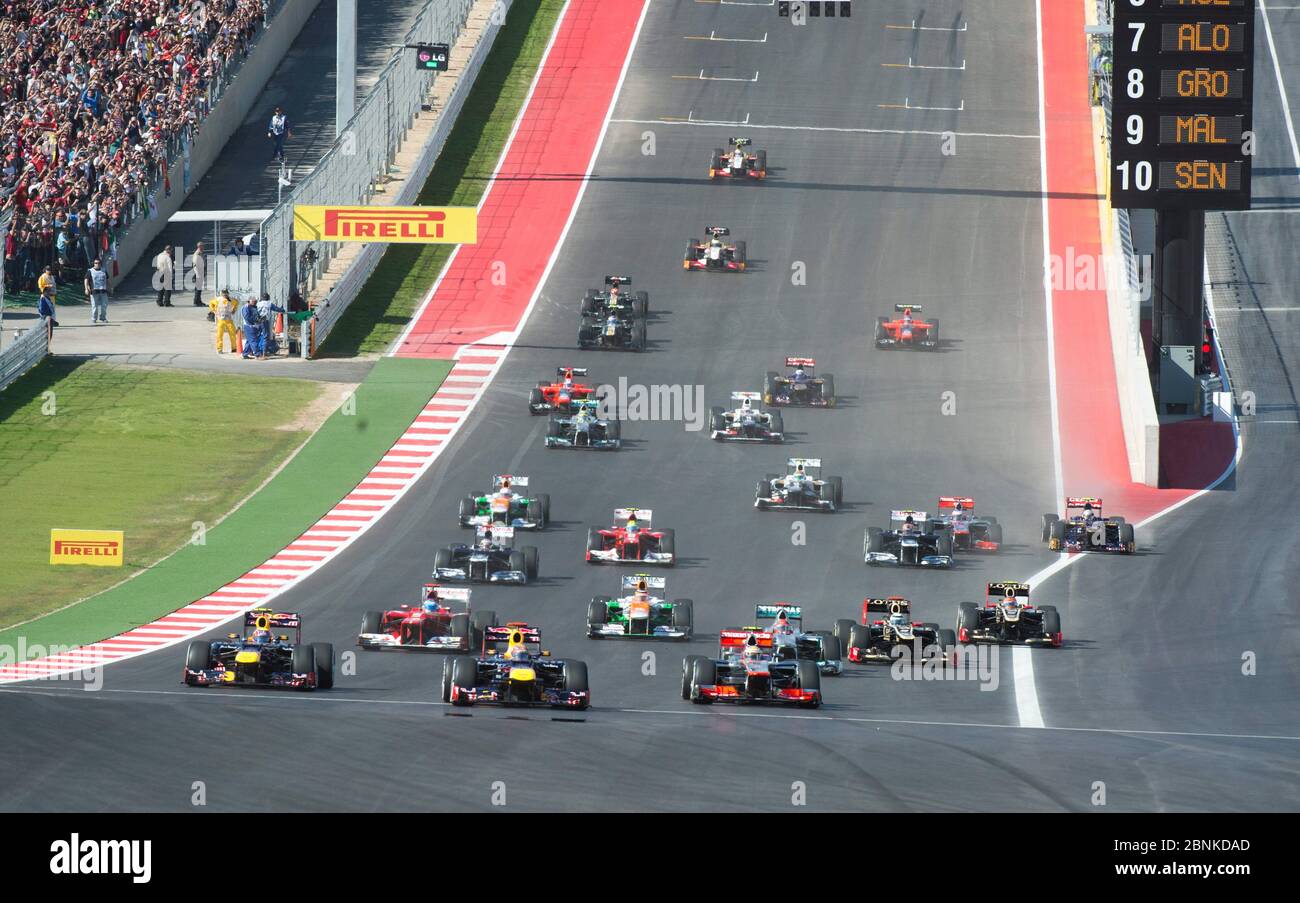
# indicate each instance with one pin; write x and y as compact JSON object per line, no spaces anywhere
{"x":907,"y":331}
{"x":611,"y":331}
{"x":714,"y":255}
{"x":639,"y":612}
{"x":505,"y":507}
{"x":736,"y":162}
{"x":583,"y":429}
{"x":894,"y":636}
{"x":977,"y":533}
{"x":821,"y":647}
{"x":1087,"y":531}
{"x":801,"y":489}
{"x":745,"y":423}
{"x":514,"y":670}
{"x":747,"y":670}
{"x":491,"y":559}
{"x":1007,"y":617}
{"x":798,"y":386}
{"x":911,"y":539}
{"x":633,"y":539}
{"x":560,"y":395}
{"x":614,"y":300}
{"x":431,"y":626}
{"x":258,"y":657}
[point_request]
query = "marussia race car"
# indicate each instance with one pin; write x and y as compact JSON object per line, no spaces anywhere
{"x":1007,"y":617}
{"x":559,"y":396}
{"x":736,"y":162}
{"x":907,"y":331}
{"x":505,"y":507}
{"x":897,"y":635}
{"x":611,"y":331}
{"x":821,"y":647}
{"x":978,"y":533}
{"x":492,"y":559}
{"x":745,"y":423}
{"x":583,"y":429}
{"x":431,"y":626}
{"x":631,"y":539}
{"x":641,"y":613}
{"x":714,"y":255}
{"x":799,"y":490}
{"x":615,"y":300}
{"x":260,"y":658}
{"x":1087,"y":531}
{"x":747,"y":670}
{"x":514,"y":670}
{"x":911,"y":539}
{"x":799,"y":386}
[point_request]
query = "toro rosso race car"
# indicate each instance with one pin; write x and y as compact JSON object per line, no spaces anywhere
{"x":821,"y":647}
{"x":907,"y":331}
{"x":615,"y":300}
{"x":801,"y":489}
{"x":736,"y":162}
{"x":748,"y":671}
{"x":632,"y":539}
{"x":611,"y":330}
{"x":1007,"y":617}
{"x":583,"y":429}
{"x":746,"y":422}
{"x":799,"y":386}
{"x":910,"y":539}
{"x":560,"y":395}
{"x":259,"y":657}
{"x":972,"y":532}
{"x":894,"y":636}
{"x":714,"y":255}
{"x":504,"y":506}
{"x":1088,"y":530}
{"x":491,"y":559}
{"x":641,"y":611}
{"x":514,"y":670}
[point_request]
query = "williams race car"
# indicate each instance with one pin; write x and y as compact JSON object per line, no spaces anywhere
{"x":911,"y":539}
{"x":258,"y":657}
{"x":514,"y":670}
{"x":504,"y":506}
{"x":615,"y":300}
{"x":801,"y":489}
{"x":748,"y":671}
{"x":431,"y":626}
{"x":714,"y":255}
{"x":611,"y":331}
{"x":641,"y":611}
{"x":970,"y":531}
{"x":894,"y":636}
{"x":491,"y":559}
{"x":821,"y":647}
{"x":745,"y":423}
{"x":559,"y":396}
{"x":907,"y":331}
{"x":1087,"y":531}
{"x":1007,"y":617}
{"x":583,"y":429}
{"x":632,"y":539}
{"x":798,"y":386}
{"x":736,"y":162}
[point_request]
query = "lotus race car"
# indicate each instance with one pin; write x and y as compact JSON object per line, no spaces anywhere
{"x":888,"y":639}
{"x":641,"y":613}
{"x":977,"y":533}
{"x":714,"y":255}
{"x":799,"y":490}
{"x":611,"y":331}
{"x":748,"y":671}
{"x":745,"y":423}
{"x":260,"y":658}
{"x":583,"y":429}
{"x":514,"y":670}
{"x":911,"y":539}
{"x":632,"y":539}
{"x":614,"y":300}
{"x":505,"y":507}
{"x":1087,"y":531}
{"x":431,"y":626}
{"x":736,"y":162}
{"x":907,"y":331}
{"x":1007,"y":617}
{"x":799,"y":386}
{"x":491,"y":559}
{"x":549,"y":397}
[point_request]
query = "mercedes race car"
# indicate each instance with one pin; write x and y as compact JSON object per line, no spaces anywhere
{"x":611,"y":331}
{"x":748,"y":671}
{"x":431,"y":626}
{"x":907,"y":331}
{"x":514,"y":670}
{"x":583,"y":429}
{"x":799,"y":386}
{"x":746,"y":422}
{"x":259,"y":657}
{"x":821,"y":647}
{"x":615,"y":300}
{"x":910,"y":539}
{"x":504,"y":506}
{"x":970,"y":531}
{"x":641,"y":611}
{"x":491,"y":559}
{"x":714,"y":255}
{"x":1007,"y":617}
{"x":894,"y":636}
{"x":632,"y":539}
{"x":736,"y":162}
{"x":801,"y":489}
{"x":560,"y":395}
{"x":1088,"y":530}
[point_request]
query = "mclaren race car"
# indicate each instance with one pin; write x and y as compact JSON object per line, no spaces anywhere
{"x":910,"y":539}
{"x":970,"y":531}
{"x":583,"y":429}
{"x":260,"y":657}
{"x":505,"y":506}
{"x":745,"y":422}
{"x":641,"y":611}
{"x":559,"y":396}
{"x":1007,"y":617}
{"x":632,"y":539}
{"x":1087,"y":530}
{"x":514,"y":670}
{"x":736,"y":162}
{"x":799,"y":386}
{"x":801,"y":489}
{"x":491,"y":559}
{"x":714,"y":255}
{"x":907,"y":331}
{"x":611,"y":331}
{"x":615,"y":300}
{"x":789,"y":639}
{"x":894,"y":636}
{"x":748,"y":671}
{"x":433,"y":625}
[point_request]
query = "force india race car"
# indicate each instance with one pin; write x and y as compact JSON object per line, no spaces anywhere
{"x":821,"y":647}
{"x":431,"y":626}
{"x":639,"y":612}
{"x":505,"y":507}
{"x":631,"y":539}
{"x":910,"y":540}
{"x":258,"y":657}
{"x":583,"y":429}
{"x":611,"y":331}
{"x":559,"y":396}
{"x":907,"y":331}
{"x":714,"y":255}
{"x":1087,"y":531}
{"x":614,"y":300}
{"x":514,"y":670}
{"x":491,"y":559}
{"x":894,"y":636}
{"x":977,"y":533}
{"x":747,"y":671}
{"x":798,"y":386}
{"x":736,"y":162}
{"x":746,"y":423}
{"x":801,"y":489}
{"x":1007,"y":617}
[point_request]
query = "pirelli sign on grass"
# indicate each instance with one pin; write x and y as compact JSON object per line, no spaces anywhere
{"x":398,"y":225}
{"x":97,"y":548}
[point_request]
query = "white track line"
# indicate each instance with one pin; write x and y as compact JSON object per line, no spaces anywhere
{"x":1281,"y":84}
{"x":841,"y":130}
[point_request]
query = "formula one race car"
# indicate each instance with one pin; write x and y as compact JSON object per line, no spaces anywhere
{"x":801,"y":489}
{"x":514,"y":670}
{"x":260,"y":658}
{"x":491,"y":559}
{"x":736,"y":162}
{"x":431,"y":626}
{"x":714,"y":255}
{"x":895,"y":636}
{"x":907,"y":331}
{"x":559,"y":396}
{"x":911,"y":539}
{"x":615,"y":300}
{"x":977,"y":533}
{"x":640,"y":612}
{"x":1007,"y":617}
{"x":505,"y":507}
{"x":631,"y":539}
{"x":611,"y":332}
{"x":1087,"y":531}
{"x":799,"y":386}
{"x":745,"y":423}
{"x":583,"y":429}
{"x":747,"y":670}
{"x":789,"y":639}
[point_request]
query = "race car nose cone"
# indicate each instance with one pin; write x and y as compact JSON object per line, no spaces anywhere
{"x":522,"y":675}
{"x":247,"y":657}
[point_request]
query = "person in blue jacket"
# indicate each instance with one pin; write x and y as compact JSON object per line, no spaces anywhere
{"x":252,"y":322}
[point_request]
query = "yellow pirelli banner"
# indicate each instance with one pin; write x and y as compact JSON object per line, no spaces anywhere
{"x":98,"y":548}
{"x":397,"y":225}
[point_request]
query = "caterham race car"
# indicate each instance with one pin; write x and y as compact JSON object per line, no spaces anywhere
{"x":616,"y":299}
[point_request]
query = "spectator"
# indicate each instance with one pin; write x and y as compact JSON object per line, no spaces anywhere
{"x":224,"y":309}
{"x":277,"y":131}
{"x":45,"y":307}
{"x":198,"y":270}
{"x":164,"y":271}
{"x":237,"y":248}
{"x":252,"y":328}
{"x":267,"y":309}
{"x":47,"y":284}
{"x":97,"y":292}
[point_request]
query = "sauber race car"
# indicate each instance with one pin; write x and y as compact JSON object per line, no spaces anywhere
{"x":746,"y":422}
{"x":641,"y":611}
{"x":799,"y":386}
{"x":821,"y":647}
{"x":431,"y":626}
{"x":559,"y":396}
{"x":514,"y":670}
{"x":736,"y":162}
{"x":259,"y":657}
{"x":504,"y":506}
{"x":801,"y":489}
{"x":491,"y":559}
{"x":615,"y":331}
{"x":907,"y":331}
{"x":631,"y":539}
{"x":1087,"y":530}
{"x":714,"y":255}
{"x":910,"y":539}
{"x":583,"y":429}
{"x":1007,"y":617}
{"x":970,"y":531}
{"x":894,"y":636}
{"x":747,"y":670}
{"x":615,"y":300}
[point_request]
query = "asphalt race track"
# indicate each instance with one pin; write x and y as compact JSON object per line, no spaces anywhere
{"x":1147,"y":695}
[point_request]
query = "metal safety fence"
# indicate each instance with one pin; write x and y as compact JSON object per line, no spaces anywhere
{"x":22,"y":354}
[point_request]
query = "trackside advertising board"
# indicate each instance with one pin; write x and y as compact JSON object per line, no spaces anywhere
{"x":97,"y":548}
{"x":396,"y":225}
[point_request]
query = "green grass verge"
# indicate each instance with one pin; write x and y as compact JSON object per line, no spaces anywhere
{"x":392,"y":294}
{"x":331,"y":463}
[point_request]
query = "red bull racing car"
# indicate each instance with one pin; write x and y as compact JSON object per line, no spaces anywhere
{"x":1085,"y":529}
{"x":260,"y":657}
{"x":433,"y":625}
{"x":514,"y":670}
{"x":907,"y":331}
{"x":632,"y":539}
{"x":1008,"y":618}
{"x":714,"y":255}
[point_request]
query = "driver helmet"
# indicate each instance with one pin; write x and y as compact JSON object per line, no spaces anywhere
{"x":752,"y":649}
{"x":261,"y":635}
{"x":909,"y":524}
{"x":798,"y":373}
{"x":631,"y":527}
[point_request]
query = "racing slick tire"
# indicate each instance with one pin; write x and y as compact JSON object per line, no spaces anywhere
{"x":932,"y":336}
{"x":480,"y":621}
{"x":689,"y":257}
{"x":995,"y":533}
{"x":873,"y":540}
{"x":446,"y":679}
{"x":464,"y":674}
{"x":519,"y":563}
{"x":688,"y":666}
{"x":704,"y":672}
{"x":968,"y":617}
{"x":589,"y":304}
{"x":810,"y":678}
{"x":715,"y":162}
{"x":832,"y":649}
{"x":575,"y":680}
{"x":760,"y":163}
{"x":1128,"y":538}
{"x":595,"y":542}
{"x":769,"y":387}
{"x":1056,"y":536}
{"x":943,"y":545}
{"x":859,"y":637}
{"x":534,"y":398}
{"x":738,"y":255}
{"x":1051,"y":620}
{"x":530,"y":561}
{"x":467,"y":506}
{"x":837,"y":484}
{"x":777,"y":425}
{"x":372,"y":622}
{"x":684,"y":615}
{"x":762,"y":492}
{"x":597,"y":612}
{"x":198,"y":655}
{"x":614,"y":430}
{"x":638,"y":336}
{"x":641,"y":304}
{"x":459,"y":627}
{"x":948,"y":644}
{"x":841,"y":630}
{"x":1048,"y":520}
{"x":441,"y":559}
{"x":717,"y":423}
{"x":1117,"y":520}
{"x":882,"y":334}
{"x":543,"y":503}
{"x":826,"y":492}
{"x":324,"y":665}
{"x":304,"y":661}
{"x":668,"y":545}
{"x":828,"y":390}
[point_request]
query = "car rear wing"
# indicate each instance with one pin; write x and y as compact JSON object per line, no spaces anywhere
{"x":774,"y":610}
{"x":887,"y":605}
{"x":1000,"y":588}
{"x":618,"y":280}
{"x":903,"y":514}
{"x":621,"y":515}
{"x":447,"y":593}
{"x":808,"y":362}
{"x":1080,"y":501}
{"x":633,"y":581}
{"x":716,"y":231}
{"x":495,"y":532}
{"x":903,"y":308}
{"x":500,"y":637}
{"x":948,"y":502}
{"x":570,"y":372}
{"x":287,"y":619}
{"x":734,"y":638}
{"x":740,"y":142}
{"x":499,"y":480}
{"x":808,"y":463}
{"x":746,"y":396}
